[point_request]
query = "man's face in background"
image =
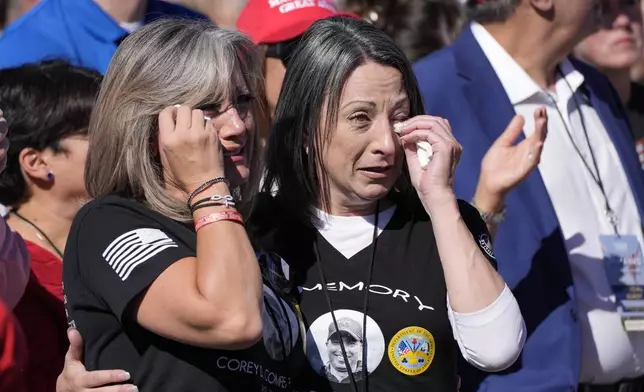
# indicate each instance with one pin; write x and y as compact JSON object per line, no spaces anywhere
{"x":577,"y":19}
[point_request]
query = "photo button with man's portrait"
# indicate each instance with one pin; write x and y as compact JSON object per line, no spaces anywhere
{"x":326,"y":340}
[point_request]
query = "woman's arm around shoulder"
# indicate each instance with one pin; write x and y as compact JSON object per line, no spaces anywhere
{"x":75,"y":378}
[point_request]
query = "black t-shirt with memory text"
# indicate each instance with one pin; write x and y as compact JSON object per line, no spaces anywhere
{"x":410,"y":344}
{"x":116,"y":249}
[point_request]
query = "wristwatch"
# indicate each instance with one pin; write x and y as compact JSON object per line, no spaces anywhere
{"x":491,"y":218}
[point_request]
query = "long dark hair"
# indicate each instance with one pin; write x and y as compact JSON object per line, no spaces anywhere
{"x":328,"y":53}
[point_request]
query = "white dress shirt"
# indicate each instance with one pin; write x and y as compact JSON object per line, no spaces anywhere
{"x":609,"y":353}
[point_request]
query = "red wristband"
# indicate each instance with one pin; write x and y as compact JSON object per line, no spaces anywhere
{"x":217,"y":217}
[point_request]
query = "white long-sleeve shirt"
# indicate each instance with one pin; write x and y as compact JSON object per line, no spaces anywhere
{"x":14,"y":265}
{"x":492,"y":338}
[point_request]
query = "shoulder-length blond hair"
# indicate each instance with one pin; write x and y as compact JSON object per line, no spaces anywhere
{"x":168,"y":62}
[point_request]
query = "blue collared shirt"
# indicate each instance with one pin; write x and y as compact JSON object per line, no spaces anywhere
{"x":78,"y":31}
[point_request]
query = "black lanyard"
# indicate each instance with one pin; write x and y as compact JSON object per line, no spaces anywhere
{"x":365,"y":370}
{"x":608,"y":211}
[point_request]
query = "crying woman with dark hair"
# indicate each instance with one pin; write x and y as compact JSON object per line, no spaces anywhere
{"x":358,"y":202}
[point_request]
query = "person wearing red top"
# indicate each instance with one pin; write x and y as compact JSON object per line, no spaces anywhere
{"x":13,"y":353}
{"x":14,"y":258}
{"x":41,"y":314}
{"x":48,"y":106}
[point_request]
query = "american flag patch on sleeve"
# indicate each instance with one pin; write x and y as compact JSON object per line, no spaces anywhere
{"x":134,"y":248}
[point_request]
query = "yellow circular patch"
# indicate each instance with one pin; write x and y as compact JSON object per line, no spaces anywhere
{"x":411,"y":350}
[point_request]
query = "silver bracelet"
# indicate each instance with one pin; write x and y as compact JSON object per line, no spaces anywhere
{"x":215,"y":200}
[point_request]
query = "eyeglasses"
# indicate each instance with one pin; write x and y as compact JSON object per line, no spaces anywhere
{"x":242,"y":104}
{"x":283,"y":50}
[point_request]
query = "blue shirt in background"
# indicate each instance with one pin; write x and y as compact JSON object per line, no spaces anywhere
{"x":78,"y":31}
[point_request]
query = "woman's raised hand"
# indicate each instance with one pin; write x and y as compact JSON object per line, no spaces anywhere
{"x":507,"y":163}
{"x":189,"y":146}
{"x":437,"y":178}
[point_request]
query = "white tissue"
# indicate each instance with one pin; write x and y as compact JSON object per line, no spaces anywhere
{"x":423,"y":149}
{"x":424,"y":152}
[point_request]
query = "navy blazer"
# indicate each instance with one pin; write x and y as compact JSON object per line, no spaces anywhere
{"x":458,"y":83}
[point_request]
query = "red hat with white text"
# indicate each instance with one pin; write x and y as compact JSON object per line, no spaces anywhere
{"x":273,"y":21}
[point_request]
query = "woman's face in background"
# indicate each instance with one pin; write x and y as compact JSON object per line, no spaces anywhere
{"x":67,"y":168}
{"x":617,"y":45}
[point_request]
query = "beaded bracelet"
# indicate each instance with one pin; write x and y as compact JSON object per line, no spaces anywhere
{"x":205,"y":186}
{"x":217,"y":217}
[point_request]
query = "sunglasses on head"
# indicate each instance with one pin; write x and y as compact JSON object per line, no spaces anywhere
{"x":282,"y":50}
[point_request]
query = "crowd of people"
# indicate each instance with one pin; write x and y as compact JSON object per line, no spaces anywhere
{"x":320,"y":195}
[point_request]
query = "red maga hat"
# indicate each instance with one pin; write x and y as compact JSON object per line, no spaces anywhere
{"x":272,"y":21}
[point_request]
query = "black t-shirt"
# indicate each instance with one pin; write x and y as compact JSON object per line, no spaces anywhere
{"x":410,"y":342}
{"x":116,"y":249}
